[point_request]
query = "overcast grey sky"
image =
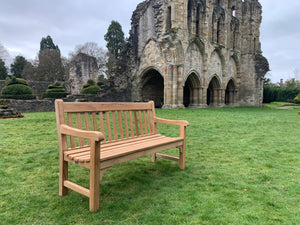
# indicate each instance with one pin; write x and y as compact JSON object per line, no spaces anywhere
{"x":23,"y":23}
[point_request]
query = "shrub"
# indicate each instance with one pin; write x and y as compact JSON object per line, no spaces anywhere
{"x":15,"y":80}
{"x":55,"y":91}
{"x":297,"y":99}
{"x":17,"y":88}
{"x":90,"y":88}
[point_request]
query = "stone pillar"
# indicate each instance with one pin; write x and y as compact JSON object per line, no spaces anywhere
{"x":171,"y":88}
{"x":180,"y":86}
{"x":167,"y":88}
{"x":221,"y":98}
{"x":174,"y":85}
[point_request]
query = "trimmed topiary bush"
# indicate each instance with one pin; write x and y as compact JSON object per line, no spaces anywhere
{"x":90,"y":88}
{"x":15,"y":80}
{"x":297,"y":99}
{"x":17,"y":88}
{"x":55,"y":91}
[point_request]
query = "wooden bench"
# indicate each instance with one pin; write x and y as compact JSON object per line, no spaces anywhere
{"x":98,"y":135}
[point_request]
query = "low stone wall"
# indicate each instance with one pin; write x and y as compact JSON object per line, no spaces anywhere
{"x":121,"y":96}
{"x":46,"y":105}
{"x":25,"y":106}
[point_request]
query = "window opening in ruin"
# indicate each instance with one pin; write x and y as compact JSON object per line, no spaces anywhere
{"x":233,"y":11}
{"x":169,"y":19}
{"x":198,"y":20}
{"x":189,"y":20}
{"x":218,"y":31}
{"x":230,"y":93}
{"x":153,"y":87}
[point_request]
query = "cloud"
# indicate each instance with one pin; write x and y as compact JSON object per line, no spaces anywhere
{"x":68,"y":22}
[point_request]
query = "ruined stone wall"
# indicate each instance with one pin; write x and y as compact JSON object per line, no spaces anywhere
{"x":83,"y":67}
{"x":204,"y":50}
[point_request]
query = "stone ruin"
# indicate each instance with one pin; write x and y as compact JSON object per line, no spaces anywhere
{"x":83,"y":67}
{"x":195,"y":53}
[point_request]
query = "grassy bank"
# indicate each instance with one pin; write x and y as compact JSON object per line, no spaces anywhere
{"x":242,"y":167}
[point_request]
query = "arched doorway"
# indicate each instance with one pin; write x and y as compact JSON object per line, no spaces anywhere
{"x":213,"y":92}
{"x":230,"y":93}
{"x":153,"y":87}
{"x":191,"y":91}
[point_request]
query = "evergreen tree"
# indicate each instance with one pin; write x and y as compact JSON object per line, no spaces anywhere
{"x":17,"y":67}
{"x":50,"y":66}
{"x":115,"y":39}
{"x":3,"y":70}
{"x":47,"y":43}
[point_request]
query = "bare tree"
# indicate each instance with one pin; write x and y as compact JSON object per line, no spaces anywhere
{"x":92,"y":49}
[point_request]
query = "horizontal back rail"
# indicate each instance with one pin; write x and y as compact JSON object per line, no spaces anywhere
{"x":104,"y":106}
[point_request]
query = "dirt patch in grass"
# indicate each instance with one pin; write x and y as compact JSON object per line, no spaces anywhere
{"x":289,"y":106}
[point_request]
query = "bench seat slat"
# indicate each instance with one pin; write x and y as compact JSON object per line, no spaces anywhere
{"x":122,"y":148}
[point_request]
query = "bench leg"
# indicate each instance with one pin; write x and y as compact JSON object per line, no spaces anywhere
{"x":182,"y":157}
{"x":63,"y":176}
{"x":95,"y":177}
{"x":154,"y":157}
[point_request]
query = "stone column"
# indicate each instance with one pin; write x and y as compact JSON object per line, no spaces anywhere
{"x":174,"y":85}
{"x":171,"y":88}
{"x":221,"y":99}
{"x":167,"y":88}
{"x":179,"y":100}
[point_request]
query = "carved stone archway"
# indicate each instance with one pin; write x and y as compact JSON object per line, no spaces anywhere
{"x":230,"y":94}
{"x":152,"y":84}
{"x":214,"y":92}
{"x":192,"y":95}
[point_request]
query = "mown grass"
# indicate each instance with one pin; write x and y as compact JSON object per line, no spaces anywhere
{"x":242,"y":167}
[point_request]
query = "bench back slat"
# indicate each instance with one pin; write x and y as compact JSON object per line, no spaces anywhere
{"x":116,"y":121}
{"x":70,"y":121}
{"x":79,"y":126}
{"x":126,"y":124}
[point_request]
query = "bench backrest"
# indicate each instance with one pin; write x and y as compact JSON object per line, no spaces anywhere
{"x":115,"y":120}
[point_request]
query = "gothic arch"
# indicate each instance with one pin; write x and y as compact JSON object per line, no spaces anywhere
{"x":152,"y":55}
{"x":152,"y":86}
{"x":230,"y":93}
{"x":192,"y":85}
{"x":194,"y":59}
{"x":232,"y":69}
{"x":214,"y":91}
{"x":216,"y":64}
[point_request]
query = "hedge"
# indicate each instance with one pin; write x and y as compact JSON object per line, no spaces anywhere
{"x":280,"y":94}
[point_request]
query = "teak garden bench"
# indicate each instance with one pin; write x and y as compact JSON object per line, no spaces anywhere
{"x":98,"y":135}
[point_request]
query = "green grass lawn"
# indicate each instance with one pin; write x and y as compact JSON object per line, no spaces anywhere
{"x":242,"y":167}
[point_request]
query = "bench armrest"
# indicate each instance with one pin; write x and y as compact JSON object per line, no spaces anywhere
{"x":92,"y":135}
{"x":171,"y":122}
